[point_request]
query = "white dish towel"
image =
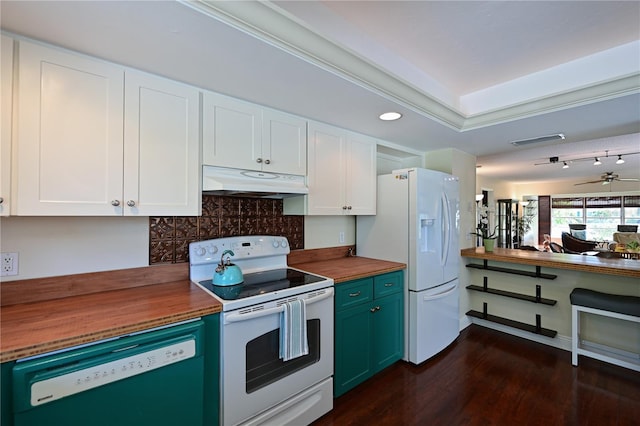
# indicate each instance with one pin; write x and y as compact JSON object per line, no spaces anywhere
{"x":293,"y":330}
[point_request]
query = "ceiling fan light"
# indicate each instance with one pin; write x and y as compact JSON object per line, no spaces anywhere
{"x":597,"y":162}
{"x":620,"y":160}
{"x":565,"y":165}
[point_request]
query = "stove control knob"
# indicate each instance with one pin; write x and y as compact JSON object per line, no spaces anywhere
{"x":276,"y":243}
{"x":283,"y":243}
{"x":200,"y":251}
{"x":212,"y":249}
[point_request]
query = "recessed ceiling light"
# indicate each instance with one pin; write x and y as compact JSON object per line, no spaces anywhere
{"x":390,"y":116}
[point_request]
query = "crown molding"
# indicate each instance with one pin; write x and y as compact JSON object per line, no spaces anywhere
{"x":273,"y":25}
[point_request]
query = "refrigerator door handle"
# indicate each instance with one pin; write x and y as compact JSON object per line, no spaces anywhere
{"x":446,"y":229}
{"x":444,"y":293}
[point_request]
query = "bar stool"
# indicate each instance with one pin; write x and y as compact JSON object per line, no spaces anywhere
{"x":609,"y":305}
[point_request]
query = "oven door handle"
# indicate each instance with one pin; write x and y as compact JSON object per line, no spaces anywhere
{"x":239,"y":315}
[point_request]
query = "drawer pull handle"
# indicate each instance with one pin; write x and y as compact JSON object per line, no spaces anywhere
{"x":388,"y":284}
{"x":377,"y":308}
{"x":356,"y":294}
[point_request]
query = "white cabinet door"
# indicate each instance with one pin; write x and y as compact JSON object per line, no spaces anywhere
{"x":70,"y":126}
{"x":161,"y":147}
{"x":243,"y":135}
{"x":342,"y":172}
{"x":284,"y":143}
{"x":326,"y":166}
{"x":231,"y":133}
{"x":360,"y":181}
{"x":6,"y":90}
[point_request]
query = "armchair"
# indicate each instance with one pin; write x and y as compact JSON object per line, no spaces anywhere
{"x":574,"y":245}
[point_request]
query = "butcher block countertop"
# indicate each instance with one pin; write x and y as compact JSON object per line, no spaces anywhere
{"x":45,"y":314}
{"x":42,"y":315}
{"x":334,"y":263}
{"x":575,"y":262}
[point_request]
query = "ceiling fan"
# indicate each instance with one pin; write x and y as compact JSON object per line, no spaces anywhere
{"x":609,"y":177}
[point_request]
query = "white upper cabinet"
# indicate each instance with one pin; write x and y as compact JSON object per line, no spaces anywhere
{"x":360,"y":174}
{"x":6,"y":93}
{"x":243,"y":135}
{"x":342,"y":172}
{"x":161,"y":147}
{"x":80,"y":155}
{"x":70,"y":127}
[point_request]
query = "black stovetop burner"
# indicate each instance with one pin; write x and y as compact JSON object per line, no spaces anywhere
{"x":262,"y":282}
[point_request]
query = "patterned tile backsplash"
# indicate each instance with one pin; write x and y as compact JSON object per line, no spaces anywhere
{"x":169,"y":236}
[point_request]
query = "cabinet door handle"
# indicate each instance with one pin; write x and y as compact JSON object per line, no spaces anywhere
{"x":131,"y":203}
{"x":344,"y":207}
{"x":1,"y":200}
{"x":388,"y":284}
{"x":258,"y":160}
{"x":267,"y":161}
{"x":374,"y":309}
{"x":349,"y":208}
{"x":115,"y":203}
{"x":356,"y":294}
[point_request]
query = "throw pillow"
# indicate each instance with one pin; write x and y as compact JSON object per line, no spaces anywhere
{"x":579,"y":233}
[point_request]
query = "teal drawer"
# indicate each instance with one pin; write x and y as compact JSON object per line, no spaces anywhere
{"x":387,"y":284}
{"x":353,"y":293}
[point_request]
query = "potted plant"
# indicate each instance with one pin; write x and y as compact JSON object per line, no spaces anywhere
{"x":633,"y":246}
{"x":488,"y":237}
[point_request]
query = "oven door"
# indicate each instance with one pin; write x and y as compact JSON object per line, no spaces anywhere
{"x":254,"y":378}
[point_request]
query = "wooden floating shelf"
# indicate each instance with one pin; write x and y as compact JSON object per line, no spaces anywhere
{"x":520,"y":296}
{"x":515,"y":324}
{"x":537,"y":274}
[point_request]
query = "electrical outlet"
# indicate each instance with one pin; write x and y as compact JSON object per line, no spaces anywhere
{"x":9,"y":264}
{"x":342,"y":237}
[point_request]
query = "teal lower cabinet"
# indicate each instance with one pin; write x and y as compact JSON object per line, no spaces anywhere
{"x":6,"y":394}
{"x":211,"y":398}
{"x":369,"y":333}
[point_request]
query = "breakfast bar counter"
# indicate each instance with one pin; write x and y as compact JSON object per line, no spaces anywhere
{"x":575,"y":262}
{"x":527,"y":293}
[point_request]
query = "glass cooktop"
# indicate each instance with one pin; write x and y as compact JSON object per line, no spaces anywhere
{"x":262,"y":282}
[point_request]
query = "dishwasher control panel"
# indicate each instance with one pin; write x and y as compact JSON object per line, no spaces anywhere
{"x":57,"y":387}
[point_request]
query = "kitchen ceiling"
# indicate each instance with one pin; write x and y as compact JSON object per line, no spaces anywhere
{"x":469,"y":75}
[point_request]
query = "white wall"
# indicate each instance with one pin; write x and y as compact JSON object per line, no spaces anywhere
{"x":324,"y":231}
{"x":52,"y":246}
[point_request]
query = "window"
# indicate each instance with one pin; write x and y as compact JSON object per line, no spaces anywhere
{"x":632,"y":209}
{"x":602,"y":215}
{"x":563,"y":212}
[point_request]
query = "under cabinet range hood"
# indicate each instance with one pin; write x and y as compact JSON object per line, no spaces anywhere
{"x":251,"y":183}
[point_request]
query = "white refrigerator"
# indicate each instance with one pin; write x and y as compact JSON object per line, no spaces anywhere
{"x":417,"y":223}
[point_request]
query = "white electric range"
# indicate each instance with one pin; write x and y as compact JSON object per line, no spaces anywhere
{"x":257,"y":386}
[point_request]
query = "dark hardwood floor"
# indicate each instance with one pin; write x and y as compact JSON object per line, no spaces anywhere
{"x":488,"y":377}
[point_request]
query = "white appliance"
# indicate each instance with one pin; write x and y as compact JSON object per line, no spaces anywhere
{"x":251,"y":183}
{"x":417,"y":223}
{"x":257,"y":386}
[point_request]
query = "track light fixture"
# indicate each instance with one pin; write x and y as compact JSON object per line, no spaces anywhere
{"x":596,"y":161}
